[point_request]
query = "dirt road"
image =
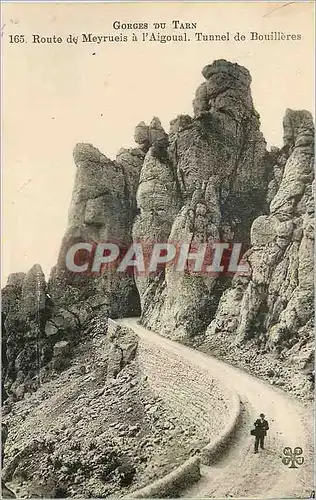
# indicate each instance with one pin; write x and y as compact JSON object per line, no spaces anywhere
{"x":241,"y":473}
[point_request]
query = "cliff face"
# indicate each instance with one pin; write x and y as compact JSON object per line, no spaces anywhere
{"x":102,"y":209}
{"x":209,"y":179}
{"x":271,"y":314}
{"x":207,"y":185}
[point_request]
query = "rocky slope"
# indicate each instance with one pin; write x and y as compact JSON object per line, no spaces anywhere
{"x":96,"y":429}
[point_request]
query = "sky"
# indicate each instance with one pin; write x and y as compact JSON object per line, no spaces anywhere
{"x":55,"y":95}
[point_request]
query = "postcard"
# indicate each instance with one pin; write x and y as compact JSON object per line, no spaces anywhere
{"x":157,"y":256}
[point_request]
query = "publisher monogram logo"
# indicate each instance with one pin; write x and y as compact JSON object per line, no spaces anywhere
{"x":293,"y":457}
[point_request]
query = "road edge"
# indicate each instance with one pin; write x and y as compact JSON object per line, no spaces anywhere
{"x":189,"y":472}
{"x":174,"y":482}
{"x":213,"y":451}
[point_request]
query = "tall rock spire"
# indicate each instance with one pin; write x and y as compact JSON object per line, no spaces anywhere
{"x":215,"y":173}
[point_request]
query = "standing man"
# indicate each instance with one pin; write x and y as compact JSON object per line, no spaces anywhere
{"x":261,"y":428}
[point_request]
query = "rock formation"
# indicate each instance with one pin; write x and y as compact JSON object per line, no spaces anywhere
{"x":209,"y":179}
{"x":102,"y":210}
{"x":43,"y":321}
{"x":274,"y":307}
{"x":208,"y":184}
{"x":24,"y":345}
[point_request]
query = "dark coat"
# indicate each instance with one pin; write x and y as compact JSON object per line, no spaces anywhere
{"x":261,"y":427}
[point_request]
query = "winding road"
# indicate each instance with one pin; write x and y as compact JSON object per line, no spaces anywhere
{"x":239,"y":472}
